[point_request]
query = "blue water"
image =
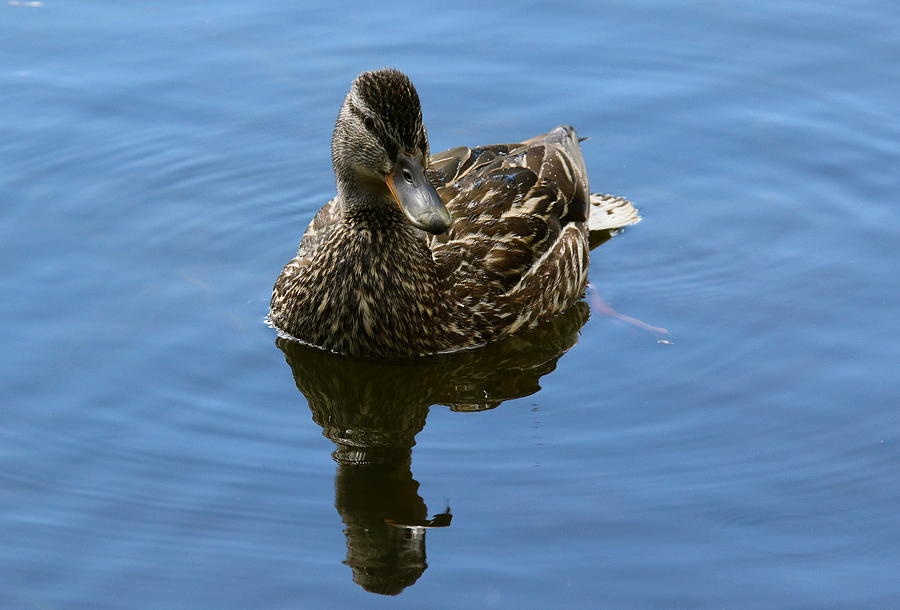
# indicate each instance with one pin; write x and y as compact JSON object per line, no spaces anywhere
{"x":158,"y":163}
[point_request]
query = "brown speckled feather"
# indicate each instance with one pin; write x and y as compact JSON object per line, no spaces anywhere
{"x":509,"y":204}
{"x":519,"y":237}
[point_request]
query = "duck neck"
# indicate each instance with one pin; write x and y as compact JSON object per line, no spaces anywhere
{"x":371,"y":207}
{"x":379,"y":292}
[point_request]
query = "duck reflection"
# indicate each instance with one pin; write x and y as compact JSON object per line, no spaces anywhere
{"x":372,"y":411}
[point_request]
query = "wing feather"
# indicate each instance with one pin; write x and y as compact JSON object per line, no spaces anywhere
{"x":510,"y":203}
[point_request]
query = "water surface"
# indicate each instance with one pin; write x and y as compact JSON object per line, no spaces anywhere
{"x":158,"y":164}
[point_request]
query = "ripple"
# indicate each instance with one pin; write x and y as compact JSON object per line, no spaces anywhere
{"x":160,"y":165}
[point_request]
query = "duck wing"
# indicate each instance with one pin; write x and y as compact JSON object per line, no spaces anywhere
{"x":510,"y":204}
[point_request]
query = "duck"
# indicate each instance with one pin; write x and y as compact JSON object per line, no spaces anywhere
{"x":421,"y":254}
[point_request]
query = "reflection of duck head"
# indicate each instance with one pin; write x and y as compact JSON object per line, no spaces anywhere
{"x":372,"y":411}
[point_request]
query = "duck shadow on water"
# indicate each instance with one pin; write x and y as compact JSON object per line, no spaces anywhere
{"x":372,"y":411}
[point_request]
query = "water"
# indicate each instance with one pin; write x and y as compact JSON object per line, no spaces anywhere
{"x":158,"y":164}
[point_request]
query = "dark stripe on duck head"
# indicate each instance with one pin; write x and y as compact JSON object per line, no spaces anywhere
{"x":391,"y":97}
{"x":389,"y":146}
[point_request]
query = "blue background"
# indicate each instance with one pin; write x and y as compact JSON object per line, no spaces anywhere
{"x":158,"y":163}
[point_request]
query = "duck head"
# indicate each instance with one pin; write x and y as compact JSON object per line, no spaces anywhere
{"x":380,"y":150}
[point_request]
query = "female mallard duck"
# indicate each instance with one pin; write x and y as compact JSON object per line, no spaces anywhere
{"x":418,"y":255}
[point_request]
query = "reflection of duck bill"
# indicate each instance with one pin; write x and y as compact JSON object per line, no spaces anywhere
{"x":440,"y":520}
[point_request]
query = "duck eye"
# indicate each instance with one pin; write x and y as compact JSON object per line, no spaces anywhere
{"x":370,"y":122}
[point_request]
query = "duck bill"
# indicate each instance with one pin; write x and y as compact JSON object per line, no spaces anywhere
{"x":416,"y":197}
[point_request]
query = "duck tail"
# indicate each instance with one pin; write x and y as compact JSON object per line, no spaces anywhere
{"x":610,"y":212}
